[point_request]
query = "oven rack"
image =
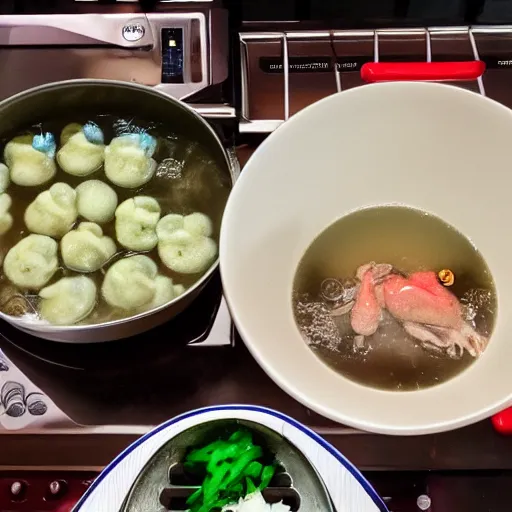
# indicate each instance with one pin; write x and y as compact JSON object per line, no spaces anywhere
{"x":248,"y":125}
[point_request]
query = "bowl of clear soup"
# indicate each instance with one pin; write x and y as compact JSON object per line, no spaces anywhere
{"x":365,"y":257}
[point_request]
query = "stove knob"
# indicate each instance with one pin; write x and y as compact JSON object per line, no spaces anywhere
{"x":18,"y":490}
{"x":54,"y":487}
{"x":423,"y":502}
{"x":57,"y":489}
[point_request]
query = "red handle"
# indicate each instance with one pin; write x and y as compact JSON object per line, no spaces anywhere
{"x":425,"y":71}
{"x":502,"y":421}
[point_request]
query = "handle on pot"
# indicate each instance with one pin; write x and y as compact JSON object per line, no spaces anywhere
{"x":502,"y":422}
{"x":422,"y":71}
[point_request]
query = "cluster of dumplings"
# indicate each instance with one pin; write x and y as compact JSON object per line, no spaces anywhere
{"x":70,"y":221}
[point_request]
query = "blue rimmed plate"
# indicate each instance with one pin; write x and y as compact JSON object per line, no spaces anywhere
{"x":348,"y":489}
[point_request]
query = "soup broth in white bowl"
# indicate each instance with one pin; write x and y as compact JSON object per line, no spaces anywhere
{"x":384,"y":210}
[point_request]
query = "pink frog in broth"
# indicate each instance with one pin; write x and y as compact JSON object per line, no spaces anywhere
{"x":427,"y":310}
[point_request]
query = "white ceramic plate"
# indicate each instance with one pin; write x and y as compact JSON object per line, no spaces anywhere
{"x":435,"y":147}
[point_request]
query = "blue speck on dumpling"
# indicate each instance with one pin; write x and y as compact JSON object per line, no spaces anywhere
{"x":145,"y":141}
{"x":134,"y":138}
{"x":45,"y":143}
{"x":93,"y":133}
{"x":148,"y":144}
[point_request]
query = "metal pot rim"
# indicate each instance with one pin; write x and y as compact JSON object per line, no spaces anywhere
{"x":49,"y":328}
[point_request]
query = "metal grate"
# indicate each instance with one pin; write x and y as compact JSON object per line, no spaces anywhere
{"x":249,"y":124}
{"x":182,"y":484}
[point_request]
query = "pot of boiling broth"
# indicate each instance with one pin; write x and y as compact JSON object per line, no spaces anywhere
{"x":111,"y":200}
{"x":365,"y":257}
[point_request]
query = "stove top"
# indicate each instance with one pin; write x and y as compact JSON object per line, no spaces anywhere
{"x":173,"y":368}
{"x":283,"y":71}
{"x":112,"y":393}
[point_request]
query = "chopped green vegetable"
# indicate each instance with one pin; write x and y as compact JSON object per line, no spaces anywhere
{"x":241,"y":436}
{"x":250,"y":487}
{"x":232,"y":470}
{"x":195,"y":496}
{"x":238,"y":489}
{"x":254,"y":469}
{"x":213,"y":482}
{"x":266,"y":475}
{"x":204,"y":454}
{"x":237,"y":470}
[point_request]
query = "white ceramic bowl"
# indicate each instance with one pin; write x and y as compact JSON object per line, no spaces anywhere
{"x":435,"y":147}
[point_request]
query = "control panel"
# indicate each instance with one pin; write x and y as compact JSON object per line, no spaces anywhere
{"x":172,"y":56}
{"x":178,"y":52}
{"x":42,"y":491}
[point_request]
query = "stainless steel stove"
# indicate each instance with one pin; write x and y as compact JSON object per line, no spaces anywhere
{"x":247,"y":66}
{"x":282,"y":72}
{"x":182,"y":53}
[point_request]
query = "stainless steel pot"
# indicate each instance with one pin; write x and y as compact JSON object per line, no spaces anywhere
{"x":99,"y":96}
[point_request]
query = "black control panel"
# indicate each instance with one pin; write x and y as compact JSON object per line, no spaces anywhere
{"x":172,"y":56}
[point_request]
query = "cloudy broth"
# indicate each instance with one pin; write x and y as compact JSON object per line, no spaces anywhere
{"x":190,"y":182}
{"x":411,"y":241}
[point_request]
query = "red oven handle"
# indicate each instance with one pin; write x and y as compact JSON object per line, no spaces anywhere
{"x":502,"y":422}
{"x":424,"y":71}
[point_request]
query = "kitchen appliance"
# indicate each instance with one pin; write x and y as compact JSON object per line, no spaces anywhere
{"x":119,"y":392}
{"x":282,"y":72}
{"x":180,"y":53}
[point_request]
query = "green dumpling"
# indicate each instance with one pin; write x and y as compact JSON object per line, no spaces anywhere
{"x":136,"y":220}
{"x":31,"y":263}
{"x":31,"y":159}
{"x":4,"y":178}
{"x":130,"y":283}
{"x":6,"y":219}
{"x":128,"y":161}
{"x":86,"y":248}
{"x":96,"y":201}
{"x":53,"y":212}
{"x":68,"y":301}
{"x":185,"y":244}
{"x":83,"y":151}
{"x":165,"y":291}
